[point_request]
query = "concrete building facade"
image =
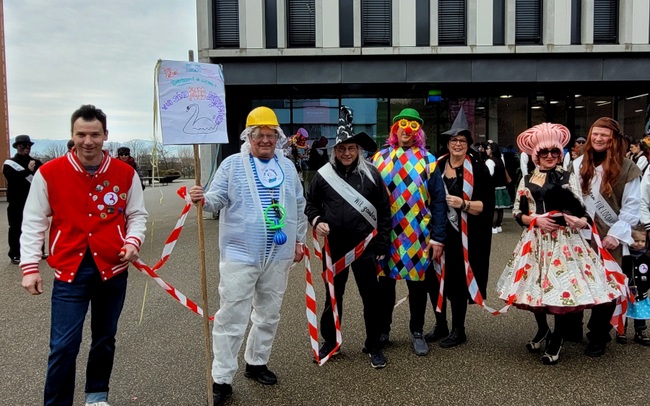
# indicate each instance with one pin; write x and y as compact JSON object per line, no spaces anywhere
{"x":509,"y":64}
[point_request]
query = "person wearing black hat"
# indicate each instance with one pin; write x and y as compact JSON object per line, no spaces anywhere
{"x":19,"y":172}
{"x":345,"y":203}
{"x":417,"y":199}
{"x":470,"y":200}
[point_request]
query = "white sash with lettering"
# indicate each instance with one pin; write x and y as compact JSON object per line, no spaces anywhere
{"x":596,"y":204}
{"x":349,"y":194}
{"x":16,"y":166}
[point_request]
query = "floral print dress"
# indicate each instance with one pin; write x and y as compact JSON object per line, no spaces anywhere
{"x":562,"y":273}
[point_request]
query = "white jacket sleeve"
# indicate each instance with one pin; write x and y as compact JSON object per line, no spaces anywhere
{"x":135,"y":213}
{"x":523,"y":163}
{"x":645,"y":200}
{"x":628,"y":217}
{"x":35,"y":224}
{"x":216,"y":198}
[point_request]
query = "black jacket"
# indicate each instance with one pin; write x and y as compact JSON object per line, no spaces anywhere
{"x":347,"y":226}
{"x":17,"y":183}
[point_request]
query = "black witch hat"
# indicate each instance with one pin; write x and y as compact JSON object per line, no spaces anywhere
{"x":345,"y":133}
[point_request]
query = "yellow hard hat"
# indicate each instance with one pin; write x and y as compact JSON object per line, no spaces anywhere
{"x":261,"y":116}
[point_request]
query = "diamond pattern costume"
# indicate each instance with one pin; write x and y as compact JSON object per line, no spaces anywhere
{"x":406,"y":173}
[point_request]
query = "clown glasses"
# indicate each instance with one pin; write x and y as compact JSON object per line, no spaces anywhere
{"x":404,"y":123}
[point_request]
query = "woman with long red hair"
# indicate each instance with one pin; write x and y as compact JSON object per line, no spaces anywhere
{"x":610,"y":185}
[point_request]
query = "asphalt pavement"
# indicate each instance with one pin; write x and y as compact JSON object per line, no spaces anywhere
{"x":160,"y":357}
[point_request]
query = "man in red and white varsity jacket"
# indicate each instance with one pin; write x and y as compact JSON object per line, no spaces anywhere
{"x":98,"y":221}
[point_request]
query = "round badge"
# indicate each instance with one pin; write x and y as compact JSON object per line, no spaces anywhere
{"x":103,"y":216}
{"x":269,"y":176}
{"x":106,"y":183}
{"x":110,"y":199}
{"x":116,"y":189}
{"x":643,"y":268}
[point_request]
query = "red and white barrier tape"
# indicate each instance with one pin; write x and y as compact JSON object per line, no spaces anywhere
{"x":611,"y":270}
{"x":330,"y":272}
{"x":167,"y":250}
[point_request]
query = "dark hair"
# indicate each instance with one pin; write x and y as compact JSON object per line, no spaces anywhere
{"x":70,"y":144}
{"x":496,"y":151}
{"x":123,"y":151}
{"x":88,"y":112}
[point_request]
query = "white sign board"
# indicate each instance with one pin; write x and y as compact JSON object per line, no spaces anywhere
{"x":192,"y":102}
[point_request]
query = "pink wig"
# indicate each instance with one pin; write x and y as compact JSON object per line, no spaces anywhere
{"x":545,"y":135}
{"x":419,"y":138}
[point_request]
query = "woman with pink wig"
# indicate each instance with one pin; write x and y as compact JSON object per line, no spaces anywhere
{"x":553,"y":269}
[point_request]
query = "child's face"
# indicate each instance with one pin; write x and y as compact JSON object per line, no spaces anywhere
{"x":639,"y":239}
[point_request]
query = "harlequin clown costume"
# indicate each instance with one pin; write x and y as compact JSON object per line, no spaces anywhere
{"x":561,"y":272}
{"x":418,"y":208}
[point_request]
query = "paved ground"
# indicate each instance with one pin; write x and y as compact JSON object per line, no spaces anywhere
{"x":160,"y":359}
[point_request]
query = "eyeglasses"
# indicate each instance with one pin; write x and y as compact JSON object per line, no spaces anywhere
{"x":414,"y":125}
{"x":580,"y":142}
{"x":459,"y":141}
{"x":543,"y":153}
{"x":259,"y":136}
{"x":342,"y":149}
{"x":123,"y":154}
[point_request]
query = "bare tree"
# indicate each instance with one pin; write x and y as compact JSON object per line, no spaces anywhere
{"x":186,"y":159}
{"x":137,"y":147}
{"x":54,"y":150}
{"x":111,"y":147}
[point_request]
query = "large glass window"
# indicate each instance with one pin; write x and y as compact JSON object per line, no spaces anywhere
{"x":588,"y":109}
{"x":318,"y":116}
{"x":633,"y":111}
{"x":451,"y":22}
{"x":376,"y":23}
{"x":547,"y":109}
{"x":226,"y":23}
{"x":512,"y":117}
{"x":301,"y":23}
{"x":528,"y":21}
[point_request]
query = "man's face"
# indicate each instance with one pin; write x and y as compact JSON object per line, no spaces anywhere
{"x":23,"y":149}
{"x":601,"y":138}
{"x":346,"y":153}
{"x":88,"y":138}
{"x":406,"y":132}
{"x":263,"y":143}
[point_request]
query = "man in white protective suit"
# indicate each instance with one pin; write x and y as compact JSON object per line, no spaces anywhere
{"x":262,"y":229}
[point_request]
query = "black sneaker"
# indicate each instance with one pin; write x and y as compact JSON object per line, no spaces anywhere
{"x":325,"y":349}
{"x":377,"y":359}
{"x":261,"y":374}
{"x":621,"y":338}
{"x":420,"y":347}
{"x":641,"y":338}
{"x":439,"y":332}
{"x":15,"y":260}
{"x":221,"y":392}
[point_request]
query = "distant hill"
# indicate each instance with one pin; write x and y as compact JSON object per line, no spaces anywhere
{"x":46,"y":147}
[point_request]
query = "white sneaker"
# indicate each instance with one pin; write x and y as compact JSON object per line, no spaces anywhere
{"x":98,"y":404}
{"x":495,"y":230}
{"x":499,"y":229}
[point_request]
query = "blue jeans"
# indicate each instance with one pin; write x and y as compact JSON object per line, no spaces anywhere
{"x":69,"y":307}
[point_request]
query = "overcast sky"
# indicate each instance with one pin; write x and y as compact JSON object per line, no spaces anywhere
{"x":65,"y":53}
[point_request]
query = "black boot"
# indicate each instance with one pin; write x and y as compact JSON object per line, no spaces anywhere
{"x":261,"y":374}
{"x":439,"y":332}
{"x":456,"y":337}
{"x":221,"y":392}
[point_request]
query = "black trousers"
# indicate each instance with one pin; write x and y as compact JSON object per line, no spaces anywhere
{"x":15,"y":217}
{"x":599,"y":323}
{"x":365,"y":275}
{"x":458,"y":303}
{"x":417,"y":303}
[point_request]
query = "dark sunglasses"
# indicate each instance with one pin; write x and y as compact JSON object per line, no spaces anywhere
{"x":543,"y":153}
{"x":124,"y":154}
{"x":580,"y":142}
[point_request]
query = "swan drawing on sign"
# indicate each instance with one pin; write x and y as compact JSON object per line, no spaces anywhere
{"x":199,"y":125}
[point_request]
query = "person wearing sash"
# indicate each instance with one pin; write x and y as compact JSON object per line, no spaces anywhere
{"x":470,"y":199}
{"x":19,"y":172}
{"x":610,"y":187}
{"x":262,"y":229}
{"x":562,"y":274}
{"x":417,"y":201}
{"x":345,"y":203}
